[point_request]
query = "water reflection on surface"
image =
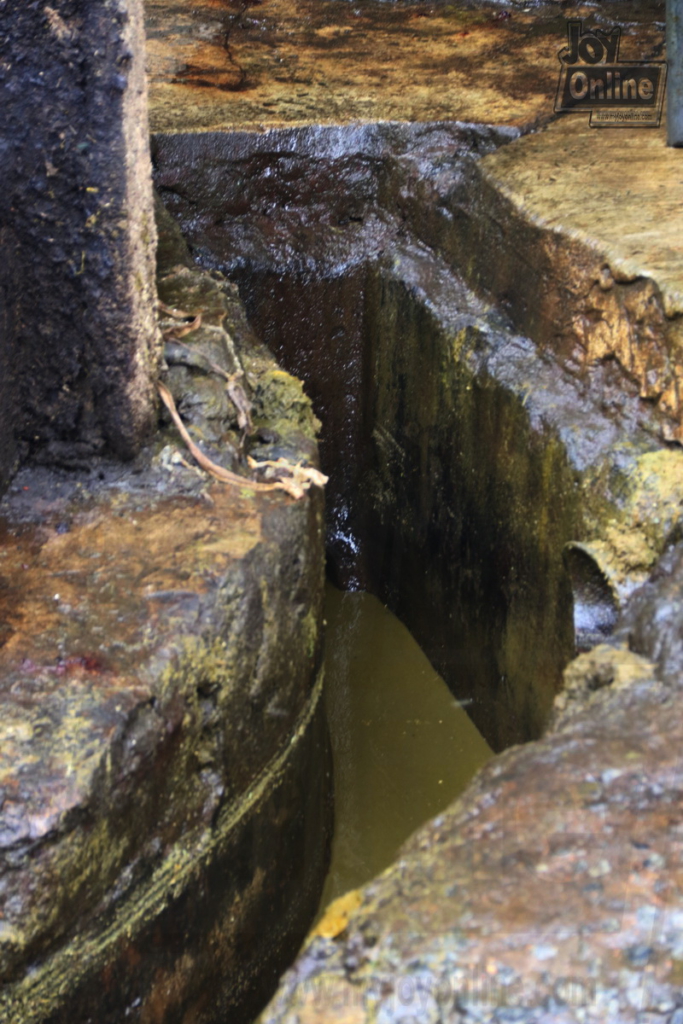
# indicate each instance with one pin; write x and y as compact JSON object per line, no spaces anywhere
{"x":403,"y":747}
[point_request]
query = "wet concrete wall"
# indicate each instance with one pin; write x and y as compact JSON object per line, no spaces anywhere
{"x":165,"y":761}
{"x":468,"y":506}
{"x":74,"y":163}
{"x":164,"y":848}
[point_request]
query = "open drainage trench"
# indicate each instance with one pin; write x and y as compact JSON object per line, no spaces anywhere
{"x":452,"y":496}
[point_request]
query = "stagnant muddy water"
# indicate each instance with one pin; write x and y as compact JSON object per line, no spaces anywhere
{"x":403,"y":746}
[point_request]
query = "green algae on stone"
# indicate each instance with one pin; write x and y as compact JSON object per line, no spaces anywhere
{"x":281,"y":402}
{"x":279,"y":405}
{"x":627,"y":537}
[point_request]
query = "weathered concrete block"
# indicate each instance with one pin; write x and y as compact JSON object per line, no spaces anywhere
{"x":74,"y":163}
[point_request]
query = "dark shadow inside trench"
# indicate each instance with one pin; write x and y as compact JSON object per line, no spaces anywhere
{"x":440,"y":501}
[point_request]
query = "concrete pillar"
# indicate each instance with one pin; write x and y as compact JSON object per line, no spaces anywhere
{"x":674,"y":86}
{"x":80,"y":343}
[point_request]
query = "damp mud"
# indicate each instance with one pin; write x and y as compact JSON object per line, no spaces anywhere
{"x":403,"y":747}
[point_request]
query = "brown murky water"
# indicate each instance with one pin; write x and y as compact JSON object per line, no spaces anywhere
{"x":403,"y":747}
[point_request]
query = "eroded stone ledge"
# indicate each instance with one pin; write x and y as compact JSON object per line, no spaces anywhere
{"x":160,"y":694}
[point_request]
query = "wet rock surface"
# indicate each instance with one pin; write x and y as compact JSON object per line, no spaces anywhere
{"x":342,"y":242}
{"x":652,"y":625}
{"x":8,"y":287}
{"x":161,"y":711}
{"x":551,"y":891}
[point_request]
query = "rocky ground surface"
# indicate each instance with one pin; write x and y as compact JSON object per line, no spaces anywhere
{"x":551,"y":892}
{"x":217,"y":66}
{"x":152,"y":618}
{"x":160,"y":698}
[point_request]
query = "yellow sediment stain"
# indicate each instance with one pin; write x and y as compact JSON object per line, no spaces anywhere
{"x":336,"y":917}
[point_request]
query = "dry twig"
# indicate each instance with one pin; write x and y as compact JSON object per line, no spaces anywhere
{"x":295,"y":480}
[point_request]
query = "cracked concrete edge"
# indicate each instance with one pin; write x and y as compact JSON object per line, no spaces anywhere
{"x":600,"y":282}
